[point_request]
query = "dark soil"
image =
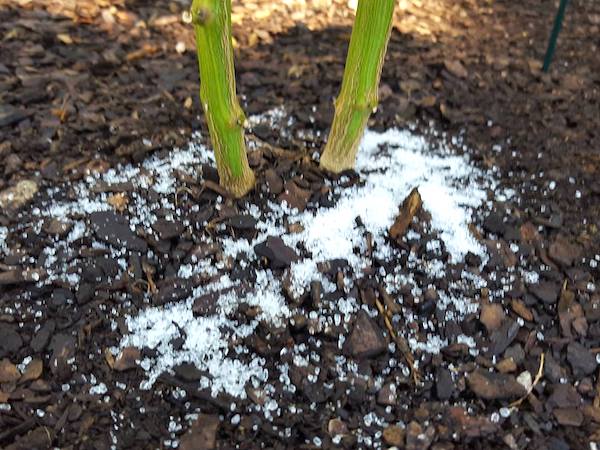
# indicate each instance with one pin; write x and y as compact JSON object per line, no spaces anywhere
{"x":88,"y":85}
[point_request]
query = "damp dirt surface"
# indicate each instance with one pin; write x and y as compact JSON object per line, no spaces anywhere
{"x":140,"y":307}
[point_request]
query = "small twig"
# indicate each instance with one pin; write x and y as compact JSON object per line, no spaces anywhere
{"x":400,"y":342}
{"x":538,"y":377}
{"x":151,"y":286}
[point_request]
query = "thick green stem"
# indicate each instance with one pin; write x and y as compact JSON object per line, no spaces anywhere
{"x":359,"y":93}
{"x":226,"y":120}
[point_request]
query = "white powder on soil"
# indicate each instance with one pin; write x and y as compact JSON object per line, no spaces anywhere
{"x":451,"y":188}
{"x":390,"y":165}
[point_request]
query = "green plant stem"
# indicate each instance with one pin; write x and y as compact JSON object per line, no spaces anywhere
{"x":359,"y":92}
{"x":225,"y":117}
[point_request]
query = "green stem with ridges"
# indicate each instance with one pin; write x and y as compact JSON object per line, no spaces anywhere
{"x":359,"y":92}
{"x":224,"y":115}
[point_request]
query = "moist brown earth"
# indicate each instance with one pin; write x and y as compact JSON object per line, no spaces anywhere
{"x":88,"y":85}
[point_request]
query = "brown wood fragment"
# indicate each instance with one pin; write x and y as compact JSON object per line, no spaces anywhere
{"x":410,"y":206}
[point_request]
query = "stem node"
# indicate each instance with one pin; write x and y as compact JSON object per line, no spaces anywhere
{"x":203,"y":16}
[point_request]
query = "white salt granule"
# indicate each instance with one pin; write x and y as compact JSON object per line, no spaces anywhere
{"x":77,"y":232}
{"x":98,"y":389}
{"x":3,"y":236}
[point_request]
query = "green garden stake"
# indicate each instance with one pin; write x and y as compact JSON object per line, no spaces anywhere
{"x":359,"y":92}
{"x":226,"y":120}
{"x":560,"y":15}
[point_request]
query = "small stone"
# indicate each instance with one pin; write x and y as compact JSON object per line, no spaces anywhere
{"x":592,"y":309}
{"x":11,"y":341}
{"x":42,"y":337}
{"x":494,"y":223}
{"x":572,"y":417}
{"x":525,"y":380}
{"x":444,"y":385}
{"x":273,"y":181}
{"x":85,"y":293}
{"x":167,"y":229}
{"x":60,"y":298}
{"x":9,"y":115}
{"x":366,"y":340}
{"x":586,"y":386}
{"x":556,"y":443}
{"x":242,"y":222}
{"x":33,"y":371}
{"x":564,"y":396}
{"x":8,"y":372}
{"x":113,"y":229}
{"x":387,"y":395}
{"x":580,"y":325}
{"x":519,"y":307}
{"x":492,"y":315}
{"x":259,"y":396}
{"x":56,"y":227}
{"x":274,"y":249}
{"x":38,"y":438}
{"x":294,"y":196}
{"x":501,"y":253}
{"x":202,"y":434}
{"x":40,"y":386}
{"x":127,"y":359}
{"x":503,"y":337}
{"x":63,"y":349}
{"x":510,"y":442}
{"x":385,"y":92}
{"x":417,"y":438}
{"x":529,"y":233}
{"x":18,"y":276}
{"x":206,"y":304}
{"x":553,"y":371}
{"x":494,"y":386}
{"x":12,"y":164}
{"x":456,"y":68}
{"x":394,"y":435}
{"x":171,"y":289}
{"x":592,"y":412}
{"x":19,"y":195}
{"x":75,"y":412}
{"x":470,"y":426}
{"x":506,"y":365}
{"x":337,"y":427}
{"x":515,"y":352}
{"x":188,"y":372}
{"x":332,"y":266}
{"x":316,"y":292}
{"x":563,"y":252}
{"x":430,"y":295}
{"x":582,"y":361}
{"x":546,"y":291}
